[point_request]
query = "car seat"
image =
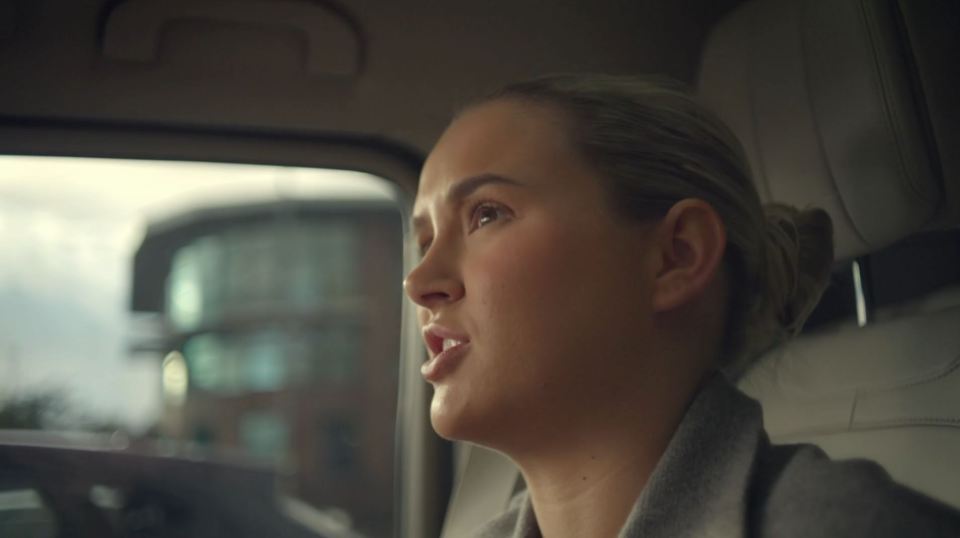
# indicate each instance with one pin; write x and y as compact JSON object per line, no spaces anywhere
{"x":850,"y":105}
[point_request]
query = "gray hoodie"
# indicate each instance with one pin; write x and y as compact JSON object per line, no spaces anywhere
{"x":721,"y":477}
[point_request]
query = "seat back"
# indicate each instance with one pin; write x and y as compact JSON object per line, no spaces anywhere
{"x":850,"y":105}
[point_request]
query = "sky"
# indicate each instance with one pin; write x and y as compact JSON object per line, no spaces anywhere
{"x":69,"y":228}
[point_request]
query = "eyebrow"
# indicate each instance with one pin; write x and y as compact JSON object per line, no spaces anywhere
{"x":465,"y":188}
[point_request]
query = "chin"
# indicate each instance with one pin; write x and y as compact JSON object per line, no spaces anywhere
{"x":446,"y":415}
{"x":455,"y":419}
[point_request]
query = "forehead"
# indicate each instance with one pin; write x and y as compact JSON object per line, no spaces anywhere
{"x":509,"y":138}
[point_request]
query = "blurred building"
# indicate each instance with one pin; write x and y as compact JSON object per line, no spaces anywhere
{"x":283,"y":320}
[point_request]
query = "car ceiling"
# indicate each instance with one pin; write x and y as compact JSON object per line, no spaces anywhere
{"x":412,"y":61}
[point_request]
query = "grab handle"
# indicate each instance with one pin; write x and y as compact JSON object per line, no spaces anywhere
{"x":133,"y":30}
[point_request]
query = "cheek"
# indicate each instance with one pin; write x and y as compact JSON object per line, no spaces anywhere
{"x":529,"y":296}
{"x":556,"y":301}
{"x":522,"y":272}
{"x":549,"y":313}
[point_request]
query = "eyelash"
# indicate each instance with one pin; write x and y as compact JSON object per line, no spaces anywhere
{"x":474,"y":224}
{"x":483,"y":205}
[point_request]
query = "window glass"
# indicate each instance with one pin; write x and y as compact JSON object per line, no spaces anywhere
{"x":265,"y":434}
{"x":209,"y":311}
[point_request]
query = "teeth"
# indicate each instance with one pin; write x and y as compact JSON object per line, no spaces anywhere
{"x":450,"y":342}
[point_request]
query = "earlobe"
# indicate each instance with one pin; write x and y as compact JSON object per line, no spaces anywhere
{"x":691,"y":239}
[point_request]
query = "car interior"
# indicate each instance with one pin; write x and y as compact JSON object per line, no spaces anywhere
{"x":846,"y":105}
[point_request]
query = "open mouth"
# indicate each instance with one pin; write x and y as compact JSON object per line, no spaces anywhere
{"x":447,"y":349}
{"x":439,"y":339}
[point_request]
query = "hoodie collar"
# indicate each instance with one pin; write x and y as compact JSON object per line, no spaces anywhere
{"x":700,"y":485}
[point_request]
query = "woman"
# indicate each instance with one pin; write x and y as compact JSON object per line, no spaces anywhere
{"x":593,"y":253}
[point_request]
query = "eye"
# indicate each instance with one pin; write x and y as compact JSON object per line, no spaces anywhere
{"x":486,"y":213}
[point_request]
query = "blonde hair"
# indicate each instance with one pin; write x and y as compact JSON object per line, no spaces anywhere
{"x":655,"y":145}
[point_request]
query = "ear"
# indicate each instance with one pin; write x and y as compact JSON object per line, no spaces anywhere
{"x":691,"y":240}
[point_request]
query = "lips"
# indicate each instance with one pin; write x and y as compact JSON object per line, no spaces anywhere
{"x":439,"y":338}
{"x":447,"y":348}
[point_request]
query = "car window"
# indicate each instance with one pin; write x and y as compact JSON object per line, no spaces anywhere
{"x":220,"y":311}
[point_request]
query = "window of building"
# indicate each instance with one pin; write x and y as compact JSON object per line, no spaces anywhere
{"x":298,"y":263}
{"x":265,"y":435}
{"x":340,"y":450}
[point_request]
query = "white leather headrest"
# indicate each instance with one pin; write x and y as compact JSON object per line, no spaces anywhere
{"x":839,"y":105}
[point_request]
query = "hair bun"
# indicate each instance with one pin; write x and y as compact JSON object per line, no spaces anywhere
{"x":799,"y":262}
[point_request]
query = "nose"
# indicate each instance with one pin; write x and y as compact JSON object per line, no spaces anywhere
{"x":435,"y":281}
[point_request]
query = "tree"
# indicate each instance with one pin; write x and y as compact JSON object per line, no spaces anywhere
{"x":33,"y":411}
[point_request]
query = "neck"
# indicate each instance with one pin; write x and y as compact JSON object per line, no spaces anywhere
{"x":586,"y":483}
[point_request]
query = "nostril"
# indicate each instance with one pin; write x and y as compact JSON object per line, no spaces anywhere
{"x":427,"y":289}
{"x":434,"y":297}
